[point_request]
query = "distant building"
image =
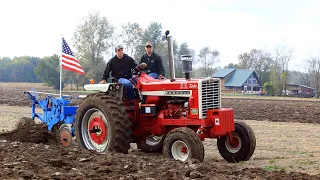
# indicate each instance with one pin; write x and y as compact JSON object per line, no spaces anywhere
{"x":239,"y":80}
{"x":300,"y":90}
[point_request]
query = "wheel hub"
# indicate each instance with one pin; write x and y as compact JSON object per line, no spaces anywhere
{"x":94,"y":128}
{"x":234,"y":145}
{"x":180,"y":150}
{"x":234,"y":142}
{"x":97,"y":130}
{"x":65,"y":137}
{"x":184,"y":149}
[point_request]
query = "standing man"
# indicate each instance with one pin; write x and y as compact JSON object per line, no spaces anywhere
{"x":120,"y":67}
{"x":154,"y":61}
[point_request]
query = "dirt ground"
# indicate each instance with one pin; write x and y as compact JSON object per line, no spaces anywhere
{"x":285,"y":149}
{"x":279,"y":110}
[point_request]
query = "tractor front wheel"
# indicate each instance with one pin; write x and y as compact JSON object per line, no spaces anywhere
{"x":182,"y":144}
{"x":102,"y":124}
{"x":240,"y":147}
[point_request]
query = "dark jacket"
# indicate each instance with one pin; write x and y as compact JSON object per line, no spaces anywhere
{"x":154,"y":63}
{"x":119,"y":68}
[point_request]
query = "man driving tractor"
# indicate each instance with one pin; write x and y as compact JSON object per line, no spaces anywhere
{"x":120,"y":66}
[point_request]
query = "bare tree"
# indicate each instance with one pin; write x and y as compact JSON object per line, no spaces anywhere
{"x":92,"y":40}
{"x":283,"y":55}
{"x":208,"y":60}
{"x":257,"y":60}
{"x":275,"y":77}
{"x":314,"y":71}
{"x":183,"y":50}
{"x":131,"y":33}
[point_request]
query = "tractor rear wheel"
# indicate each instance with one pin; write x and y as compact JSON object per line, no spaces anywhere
{"x":102,"y":124}
{"x":242,"y":145}
{"x":182,"y":144}
{"x":151,"y":144}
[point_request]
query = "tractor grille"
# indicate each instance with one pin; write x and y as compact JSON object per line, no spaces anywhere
{"x":210,"y":96}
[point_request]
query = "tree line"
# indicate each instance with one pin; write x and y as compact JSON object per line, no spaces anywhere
{"x":93,"y":44}
{"x":95,"y":38}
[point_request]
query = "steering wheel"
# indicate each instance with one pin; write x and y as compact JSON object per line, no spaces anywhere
{"x":139,"y":68}
{"x":114,"y":80}
{"x":161,"y":78}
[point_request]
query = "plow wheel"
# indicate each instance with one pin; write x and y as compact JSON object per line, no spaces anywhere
{"x":102,"y":124}
{"x":182,"y":144}
{"x":65,"y":136}
{"x":240,"y":147}
{"x":151,"y":144}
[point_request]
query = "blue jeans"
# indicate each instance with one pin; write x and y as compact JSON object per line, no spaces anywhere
{"x":154,"y":75}
{"x":129,"y":88}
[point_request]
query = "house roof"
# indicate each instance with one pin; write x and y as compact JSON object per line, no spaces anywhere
{"x":239,"y":77}
{"x":223,"y":72}
{"x":300,"y":85}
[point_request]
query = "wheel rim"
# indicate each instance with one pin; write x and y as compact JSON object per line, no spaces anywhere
{"x":234,"y":145}
{"x":180,"y":150}
{"x":94,"y":128}
{"x":153,"y":140}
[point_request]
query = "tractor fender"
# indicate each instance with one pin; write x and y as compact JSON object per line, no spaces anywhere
{"x":115,"y":88}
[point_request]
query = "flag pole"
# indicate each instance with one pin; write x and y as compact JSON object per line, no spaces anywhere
{"x":61,"y":65}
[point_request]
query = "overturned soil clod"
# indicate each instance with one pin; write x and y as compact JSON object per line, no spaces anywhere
{"x":26,"y":131}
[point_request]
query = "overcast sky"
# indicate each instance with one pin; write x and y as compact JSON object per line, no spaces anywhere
{"x":34,"y":27}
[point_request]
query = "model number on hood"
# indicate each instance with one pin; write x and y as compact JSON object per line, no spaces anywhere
{"x":193,"y":86}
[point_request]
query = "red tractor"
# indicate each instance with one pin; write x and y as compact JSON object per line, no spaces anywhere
{"x":172,"y":116}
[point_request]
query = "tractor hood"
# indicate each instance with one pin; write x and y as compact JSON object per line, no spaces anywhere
{"x":147,"y":83}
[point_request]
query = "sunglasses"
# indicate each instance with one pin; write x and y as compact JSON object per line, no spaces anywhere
{"x":148,"y":46}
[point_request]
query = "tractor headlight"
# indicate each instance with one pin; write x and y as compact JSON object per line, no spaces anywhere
{"x":186,"y":104}
{"x":194,"y":111}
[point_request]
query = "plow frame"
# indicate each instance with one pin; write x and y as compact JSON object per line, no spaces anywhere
{"x":54,"y":110}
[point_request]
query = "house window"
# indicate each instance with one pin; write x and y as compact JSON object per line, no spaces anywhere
{"x":254,"y":81}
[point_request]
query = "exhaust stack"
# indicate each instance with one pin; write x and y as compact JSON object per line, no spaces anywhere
{"x":171,"y":61}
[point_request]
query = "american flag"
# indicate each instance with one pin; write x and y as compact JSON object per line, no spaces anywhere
{"x":68,"y":60}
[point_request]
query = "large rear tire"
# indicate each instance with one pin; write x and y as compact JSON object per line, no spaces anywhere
{"x":102,"y":124}
{"x":182,"y":144}
{"x":242,"y":145}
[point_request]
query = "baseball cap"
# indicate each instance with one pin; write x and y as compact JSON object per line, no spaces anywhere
{"x":118,"y":47}
{"x":148,"y":43}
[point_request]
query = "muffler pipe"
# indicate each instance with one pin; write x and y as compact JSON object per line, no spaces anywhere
{"x":171,"y":61}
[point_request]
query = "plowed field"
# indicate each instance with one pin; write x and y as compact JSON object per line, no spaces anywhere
{"x":287,"y":133}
